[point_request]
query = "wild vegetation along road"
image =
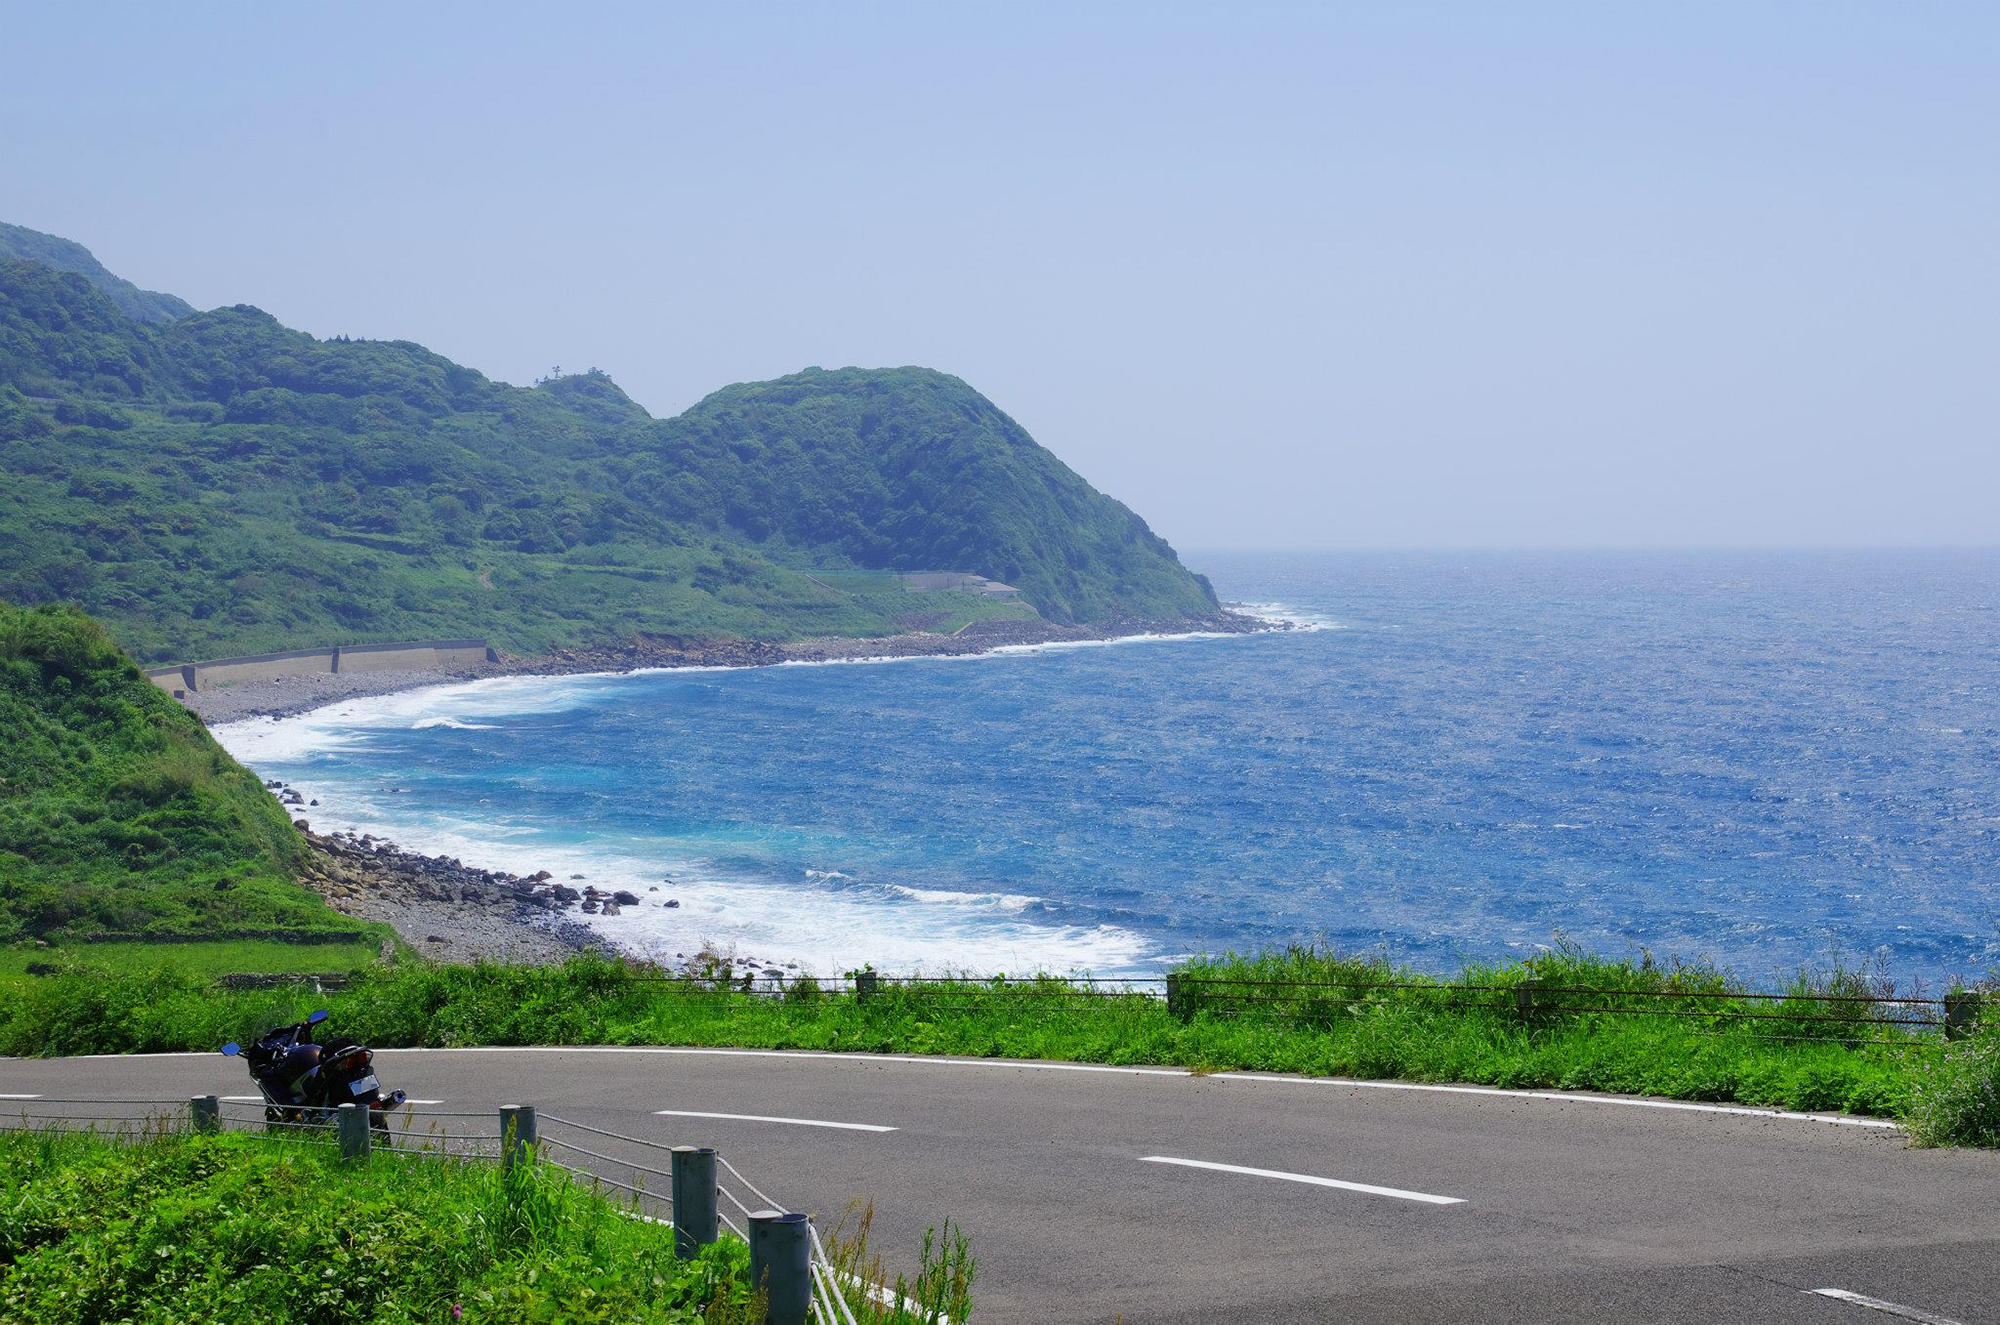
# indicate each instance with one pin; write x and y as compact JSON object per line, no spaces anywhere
{"x":1164,"y":1197}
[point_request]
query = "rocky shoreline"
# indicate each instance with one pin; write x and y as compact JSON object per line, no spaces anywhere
{"x":454,"y":912}
{"x":293,"y":695}
{"x":442,"y":907}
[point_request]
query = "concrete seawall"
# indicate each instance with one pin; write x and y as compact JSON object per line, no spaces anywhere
{"x":414,"y":656}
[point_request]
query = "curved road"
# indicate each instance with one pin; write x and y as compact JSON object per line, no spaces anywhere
{"x":1160,"y":1196}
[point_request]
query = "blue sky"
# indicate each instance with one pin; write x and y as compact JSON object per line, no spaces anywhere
{"x":1479,"y":274}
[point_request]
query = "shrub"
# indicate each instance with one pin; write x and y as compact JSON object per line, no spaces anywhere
{"x":1955,"y":1098}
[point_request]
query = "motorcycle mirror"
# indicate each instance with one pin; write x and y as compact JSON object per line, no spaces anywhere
{"x":318,"y":1017}
{"x":231,"y":1049}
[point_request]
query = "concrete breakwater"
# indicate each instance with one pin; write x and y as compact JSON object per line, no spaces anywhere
{"x":412,"y":656}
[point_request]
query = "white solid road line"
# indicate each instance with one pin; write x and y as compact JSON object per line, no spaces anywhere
{"x":760,"y":1118}
{"x":1307,"y":1178}
{"x":1029,"y":1065}
{"x":1877,"y":1304}
{"x":20,"y":1097}
{"x":891,"y":1060}
{"x":1628,"y":1101}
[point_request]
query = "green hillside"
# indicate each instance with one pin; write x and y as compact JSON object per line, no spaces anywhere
{"x":217,"y":483}
{"x":914,"y":470}
{"x":118,"y":811}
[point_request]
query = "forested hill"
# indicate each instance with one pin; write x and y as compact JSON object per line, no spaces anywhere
{"x":215,"y":482}
{"x":914,"y":470}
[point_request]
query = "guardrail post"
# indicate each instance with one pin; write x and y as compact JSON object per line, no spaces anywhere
{"x":781,"y":1265}
{"x":694,"y":1199}
{"x":206,"y":1111}
{"x":1961,"y":1014}
{"x":865,"y":986}
{"x":1524,"y":1000}
{"x":353,"y":1128}
{"x":518,"y":1134}
{"x":1176,"y":997}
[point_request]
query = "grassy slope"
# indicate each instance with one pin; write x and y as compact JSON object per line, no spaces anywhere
{"x":118,"y":811}
{"x":219,"y":484}
{"x":171,"y":1227}
{"x":205,"y":960}
{"x":240,"y":1229}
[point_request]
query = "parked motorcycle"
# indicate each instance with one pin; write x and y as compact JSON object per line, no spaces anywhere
{"x":303,"y":1081}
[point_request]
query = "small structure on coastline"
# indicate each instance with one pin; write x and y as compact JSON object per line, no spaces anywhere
{"x":945,"y":581}
{"x":414,"y":655}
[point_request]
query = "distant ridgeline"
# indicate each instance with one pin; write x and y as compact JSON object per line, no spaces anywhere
{"x":214,"y":483}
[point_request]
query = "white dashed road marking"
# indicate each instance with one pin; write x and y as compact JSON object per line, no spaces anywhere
{"x":1877,"y":1304}
{"x":760,"y":1118}
{"x":1307,"y":1178}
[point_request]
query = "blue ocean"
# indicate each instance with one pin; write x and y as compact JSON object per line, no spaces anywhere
{"x":1765,"y":760}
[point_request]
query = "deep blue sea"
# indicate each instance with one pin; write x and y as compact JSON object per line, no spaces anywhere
{"x":1766,"y":760}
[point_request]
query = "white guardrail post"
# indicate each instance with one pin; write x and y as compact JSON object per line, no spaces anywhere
{"x":518,"y":1134}
{"x":781,"y":1264}
{"x":694,"y":1199}
{"x":1961,"y":1013}
{"x":353,"y":1127}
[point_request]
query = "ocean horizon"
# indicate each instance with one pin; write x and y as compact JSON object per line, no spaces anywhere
{"x":1762,"y":760}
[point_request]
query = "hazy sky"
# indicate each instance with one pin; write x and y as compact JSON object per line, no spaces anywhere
{"x":1382,"y":274}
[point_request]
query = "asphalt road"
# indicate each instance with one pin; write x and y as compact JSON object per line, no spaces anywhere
{"x":1077,"y":1187}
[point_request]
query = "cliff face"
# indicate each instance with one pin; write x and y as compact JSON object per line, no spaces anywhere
{"x":216,"y":483}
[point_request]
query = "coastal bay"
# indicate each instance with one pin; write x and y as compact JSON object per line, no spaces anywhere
{"x":1448,"y":759}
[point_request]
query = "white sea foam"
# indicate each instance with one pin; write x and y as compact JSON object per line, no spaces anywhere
{"x":425,"y":724}
{"x":828,"y":923}
{"x":1298,"y":618}
{"x":984,"y":901}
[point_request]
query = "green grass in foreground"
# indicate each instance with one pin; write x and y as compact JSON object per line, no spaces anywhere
{"x":173,"y":1227}
{"x":1349,"y":1027}
{"x":227,"y":1228}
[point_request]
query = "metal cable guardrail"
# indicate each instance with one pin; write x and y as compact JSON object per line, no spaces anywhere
{"x":827,"y":1299}
{"x":1831,"y":1015}
{"x":769,"y":1204}
{"x":55,"y":1099}
{"x":599,"y":1131}
{"x":608,"y":1159}
{"x":72,"y":1119}
{"x":600,"y":1178}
